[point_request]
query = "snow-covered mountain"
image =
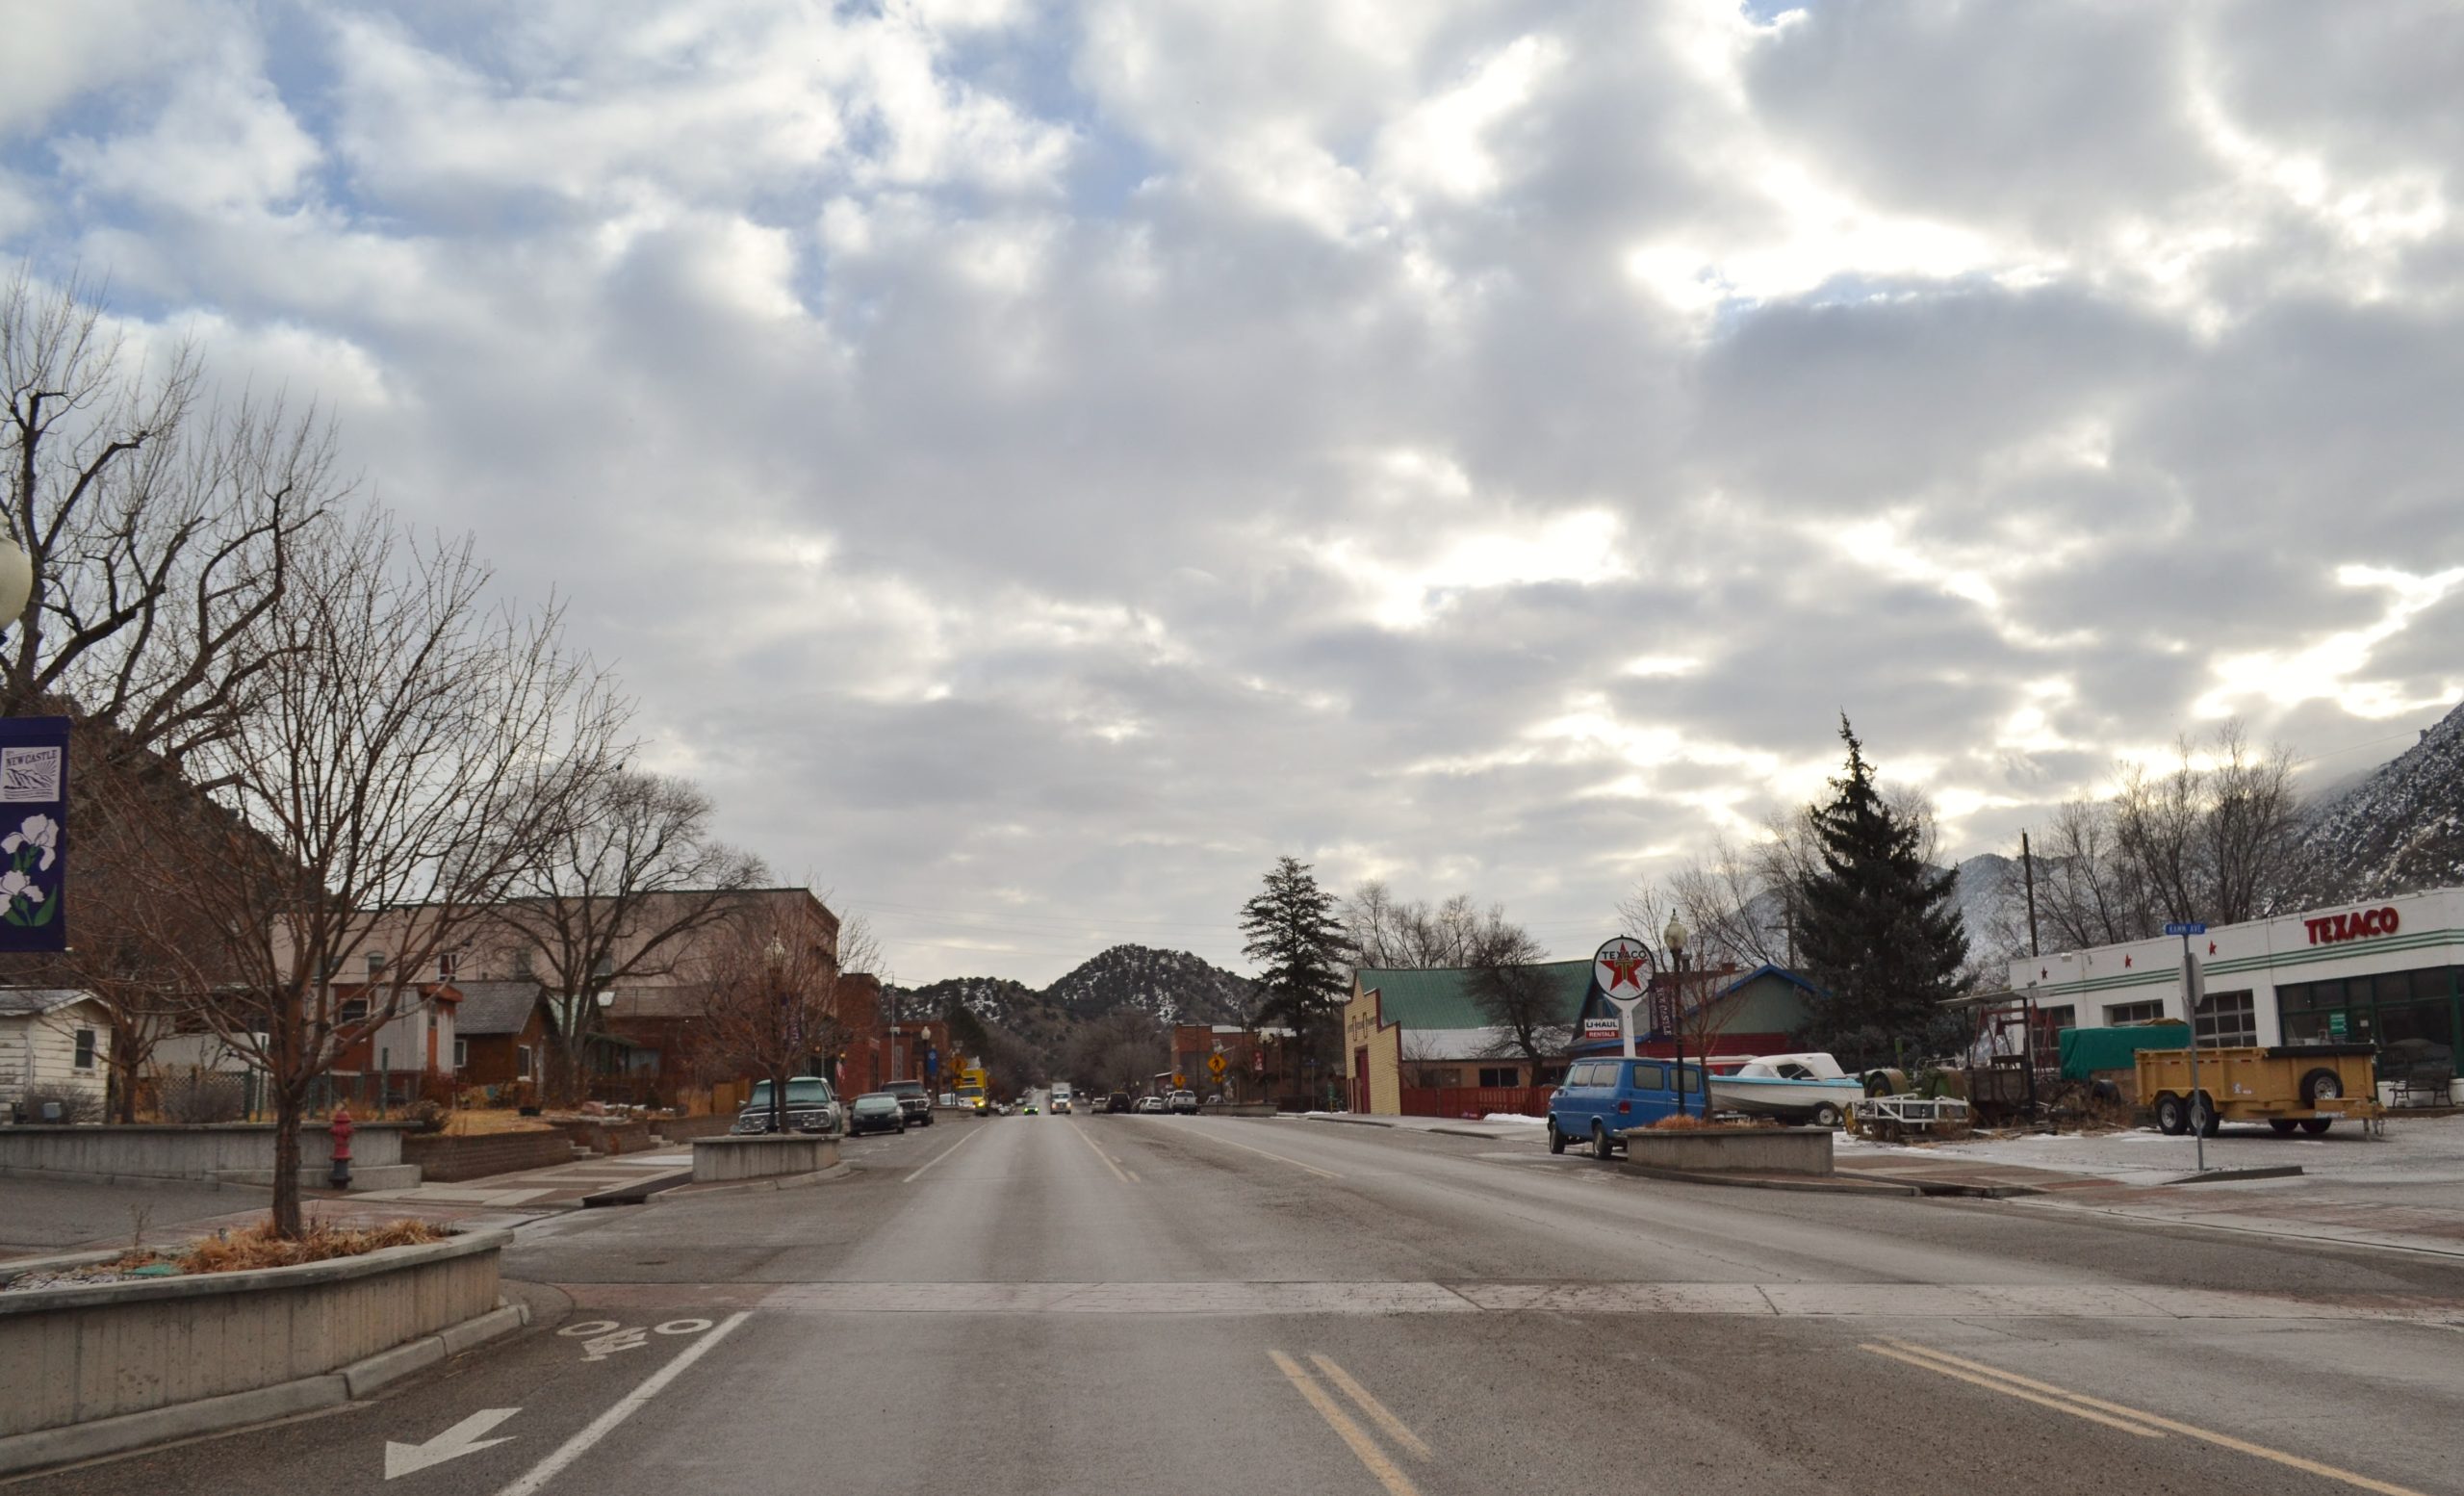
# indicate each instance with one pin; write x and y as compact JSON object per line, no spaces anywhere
{"x":1173,"y":985}
{"x":2399,"y":830}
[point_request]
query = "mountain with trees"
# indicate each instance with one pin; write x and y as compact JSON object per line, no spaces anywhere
{"x":1112,"y":1009}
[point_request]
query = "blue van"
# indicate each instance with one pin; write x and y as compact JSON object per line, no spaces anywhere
{"x":1601,"y":1098}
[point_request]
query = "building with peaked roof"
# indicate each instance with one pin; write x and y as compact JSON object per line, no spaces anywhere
{"x":1764,"y":1011}
{"x":1411,"y":1031}
{"x":52,"y":1040}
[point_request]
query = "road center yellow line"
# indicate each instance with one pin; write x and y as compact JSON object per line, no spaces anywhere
{"x":1367,"y":1401}
{"x":2007,"y":1390}
{"x":2187,"y":1430}
{"x":1323,"y":1174}
{"x":1124,"y":1178}
{"x":1364,"y":1447}
{"x":936,"y":1158}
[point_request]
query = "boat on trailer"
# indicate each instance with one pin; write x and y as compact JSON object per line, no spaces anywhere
{"x":1796,"y":1088}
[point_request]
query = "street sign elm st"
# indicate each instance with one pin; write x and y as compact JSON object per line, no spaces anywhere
{"x":2185,"y":927}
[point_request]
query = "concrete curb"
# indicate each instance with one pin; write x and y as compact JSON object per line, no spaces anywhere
{"x":1466,"y":1132}
{"x":2221,"y":1176}
{"x":1350,"y":1122}
{"x":635,"y":1192}
{"x":207,"y":1285}
{"x":2413,"y":1247}
{"x":23,"y":1453}
{"x":1799,"y":1186}
{"x":786,"y":1181}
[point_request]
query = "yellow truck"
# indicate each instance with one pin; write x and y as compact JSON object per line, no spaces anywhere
{"x":2304,"y":1086}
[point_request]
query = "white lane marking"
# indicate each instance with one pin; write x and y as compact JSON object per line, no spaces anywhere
{"x":683,"y":1326}
{"x":944,"y":1154}
{"x":1109,"y":1162}
{"x":463,"y":1438}
{"x":1323,"y":1174}
{"x":630,"y":1338}
{"x":625,"y":1407}
{"x":588,"y":1328}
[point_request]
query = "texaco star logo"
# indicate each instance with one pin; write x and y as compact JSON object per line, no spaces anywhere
{"x":1623,"y":970}
{"x":1620,"y":966}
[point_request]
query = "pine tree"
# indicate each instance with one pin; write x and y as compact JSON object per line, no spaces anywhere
{"x":1879,"y":930}
{"x":1296,"y":941}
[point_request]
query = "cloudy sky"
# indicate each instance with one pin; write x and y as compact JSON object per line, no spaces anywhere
{"x":1036,"y":462}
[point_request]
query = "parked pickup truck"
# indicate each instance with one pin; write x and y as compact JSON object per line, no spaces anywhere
{"x":2288,"y":1086}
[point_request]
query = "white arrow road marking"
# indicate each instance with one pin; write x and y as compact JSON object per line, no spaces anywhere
{"x":463,"y":1438}
{"x":632,"y":1338}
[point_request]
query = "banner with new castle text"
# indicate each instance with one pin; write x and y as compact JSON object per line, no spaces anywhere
{"x":34,"y":833}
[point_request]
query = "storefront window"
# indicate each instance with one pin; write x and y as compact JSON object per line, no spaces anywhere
{"x":2122,"y":1013}
{"x":2382,"y":1009}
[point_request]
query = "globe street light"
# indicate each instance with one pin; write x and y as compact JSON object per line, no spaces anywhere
{"x":1674,"y":936}
{"x":17,"y":581}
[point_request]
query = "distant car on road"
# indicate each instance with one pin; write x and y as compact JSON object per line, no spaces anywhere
{"x":1154,"y":1105}
{"x":1184,"y":1103}
{"x":912,"y":1099}
{"x":875,"y":1110}
{"x":1028,"y":1110}
{"x":1119,"y":1102}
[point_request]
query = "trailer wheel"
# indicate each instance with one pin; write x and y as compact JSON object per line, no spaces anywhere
{"x":2283,"y":1126}
{"x":2173,"y":1115}
{"x":1826,"y":1116}
{"x":2203,"y":1115}
{"x":2315,"y":1125}
{"x":2322,"y":1082}
{"x":1557,"y":1139}
{"x":1601,"y":1148}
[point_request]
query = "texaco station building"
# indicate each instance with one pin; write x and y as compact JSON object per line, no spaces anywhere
{"x":2376,"y":973}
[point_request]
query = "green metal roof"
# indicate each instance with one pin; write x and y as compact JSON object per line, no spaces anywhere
{"x":1442,"y":998}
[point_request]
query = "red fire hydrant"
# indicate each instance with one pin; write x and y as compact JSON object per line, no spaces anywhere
{"x":341,"y":1177}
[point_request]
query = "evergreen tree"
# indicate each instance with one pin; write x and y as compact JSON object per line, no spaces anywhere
{"x":1295,"y":939}
{"x":1879,"y":929}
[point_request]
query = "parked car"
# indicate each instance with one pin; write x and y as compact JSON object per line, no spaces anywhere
{"x":1154,"y":1105}
{"x":1117,"y":1102}
{"x":875,"y":1110}
{"x":912,"y":1099}
{"x":1599,"y":1100}
{"x":811,"y":1107}
{"x":1184,"y":1103}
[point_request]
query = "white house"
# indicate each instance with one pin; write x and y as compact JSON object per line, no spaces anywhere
{"x":52,"y":1040}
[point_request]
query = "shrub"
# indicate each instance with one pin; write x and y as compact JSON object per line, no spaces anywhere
{"x":75,"y":1104}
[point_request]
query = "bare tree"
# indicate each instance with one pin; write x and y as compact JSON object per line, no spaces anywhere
{"x":1120,"y":1049}
{"x":374,"y":803}
{"x":1390,"y":934}
{"x":623,"y":882}
{"x":769,"y":980}
{"x":161,"y":528}
{"x":1517,"y":998}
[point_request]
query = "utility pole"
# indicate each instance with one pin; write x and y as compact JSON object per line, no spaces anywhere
{"x":2028,"y":867}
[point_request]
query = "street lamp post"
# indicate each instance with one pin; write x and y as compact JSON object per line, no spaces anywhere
{"x":774,"y":959}
{"x":1674,"y":936}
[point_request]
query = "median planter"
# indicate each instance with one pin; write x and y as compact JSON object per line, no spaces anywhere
{"x":221,"y":1153}
{"x":1732,"y":1149}
{"x":762,"y":1156}
{"x":96,"y":1370}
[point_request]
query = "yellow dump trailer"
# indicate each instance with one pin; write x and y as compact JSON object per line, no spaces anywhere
{"x":2304,"y":1086}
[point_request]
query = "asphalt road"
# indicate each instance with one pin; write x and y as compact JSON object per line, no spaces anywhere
{"x":1116,"y":1304}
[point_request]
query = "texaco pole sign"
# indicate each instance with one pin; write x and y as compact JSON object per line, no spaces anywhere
{"x":1618,"y":966}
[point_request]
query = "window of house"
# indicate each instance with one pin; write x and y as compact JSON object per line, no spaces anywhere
{"x":2134,"y":1013}
{"x":2229,"y":1019}
{"x":461,"y":1054}
{"x":522,"y":1061}
{"x":1499,"y":1075}
{"x":376,"y":965}
{"x":85,"y":1049}
{"x":446,"y":962}
{"x":353,"y":1010}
